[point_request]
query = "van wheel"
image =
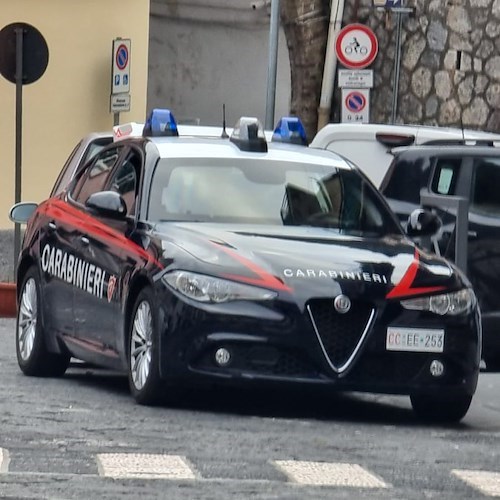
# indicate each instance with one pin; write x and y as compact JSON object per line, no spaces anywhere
{"x":33,"y":357}
{"x":440,"y":408}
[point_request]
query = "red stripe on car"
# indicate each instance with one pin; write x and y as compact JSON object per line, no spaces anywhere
{"x":405,"y":289}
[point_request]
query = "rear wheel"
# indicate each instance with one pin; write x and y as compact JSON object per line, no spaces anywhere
{"x":33,"y":357}
{"x":144,"y":373}
{"x":440,"y":408}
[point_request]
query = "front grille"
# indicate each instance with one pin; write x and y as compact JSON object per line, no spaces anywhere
{"x":340,"y":335}
{"x":261,"y":360}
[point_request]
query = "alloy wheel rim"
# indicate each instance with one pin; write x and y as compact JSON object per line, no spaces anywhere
{"x":27,"y":322}
{"x":140,"y":345}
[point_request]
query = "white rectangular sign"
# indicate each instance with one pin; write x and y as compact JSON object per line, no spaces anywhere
{"x":120,"y":74}
{"x":414,"y":339}
{"x":356,"y":78}
{"x":119,"y":103}
{"x":355,"y":106}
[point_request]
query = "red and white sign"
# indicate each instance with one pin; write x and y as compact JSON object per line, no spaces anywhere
{"x":120,"y":74}
{"x":356,"y":46}
{"x":355,"y":106}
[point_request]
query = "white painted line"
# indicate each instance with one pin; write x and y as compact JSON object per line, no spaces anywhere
{"x":329,"y":474}
{"x":4,"y":460}
{"x":486,"y":482}
{"x":144,"y":466}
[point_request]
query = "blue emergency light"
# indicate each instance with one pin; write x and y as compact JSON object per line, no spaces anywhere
{"x":290,"y":130}
{"x":160,"y":123}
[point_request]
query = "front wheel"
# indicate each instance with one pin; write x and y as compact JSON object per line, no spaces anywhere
{"x":441,"y":408}
{"x":144,"y":373}
{"x":33,"y":357}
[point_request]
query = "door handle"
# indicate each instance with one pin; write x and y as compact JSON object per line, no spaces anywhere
{"x":85,"y":240}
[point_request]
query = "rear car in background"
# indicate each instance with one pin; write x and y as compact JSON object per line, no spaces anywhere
{"x":472,"y":172}
{"x":369,"y":145}
{"x":189,"y":260}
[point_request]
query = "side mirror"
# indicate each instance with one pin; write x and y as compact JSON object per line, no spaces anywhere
{"x":422,"y":222}
{"x":108,"y":204}
{"x":20,"y":213}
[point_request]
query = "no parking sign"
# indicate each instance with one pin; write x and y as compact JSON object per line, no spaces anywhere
{"x":120,"y":83}
{"x":355,"y":106}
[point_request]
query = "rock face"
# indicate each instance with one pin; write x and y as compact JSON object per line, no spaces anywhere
{"x":450,"y":68}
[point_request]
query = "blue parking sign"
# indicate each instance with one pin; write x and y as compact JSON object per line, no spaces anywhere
{"x":388,"y":4}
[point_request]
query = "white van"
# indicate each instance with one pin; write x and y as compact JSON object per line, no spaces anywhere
{"x":369,"y":145}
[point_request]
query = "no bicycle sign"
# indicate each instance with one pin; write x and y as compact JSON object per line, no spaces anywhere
{"x":356,"y":46}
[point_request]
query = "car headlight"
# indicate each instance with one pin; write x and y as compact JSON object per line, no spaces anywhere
{"x":216,"y":290}
{"x":447,"y":303}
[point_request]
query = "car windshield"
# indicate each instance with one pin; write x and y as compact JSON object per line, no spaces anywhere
{"x":267,"y":192}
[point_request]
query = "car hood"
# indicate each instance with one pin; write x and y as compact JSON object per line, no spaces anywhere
{"x":307,"y":261}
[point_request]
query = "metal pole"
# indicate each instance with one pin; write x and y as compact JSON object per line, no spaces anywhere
{"x":272,"y":63}
{"x":19,"y":128}
{"x":397,"y":66}
{"x":327,"y":85}
{"x":461,"y":231}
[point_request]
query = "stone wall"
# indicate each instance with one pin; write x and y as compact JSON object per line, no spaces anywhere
{"x":450,"y":62}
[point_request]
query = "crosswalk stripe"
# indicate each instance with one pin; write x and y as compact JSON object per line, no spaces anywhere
{"x":329,"y":474}
{"x":486,"y":482}
{"x":143,"y":465}
{"x":4,"y":460}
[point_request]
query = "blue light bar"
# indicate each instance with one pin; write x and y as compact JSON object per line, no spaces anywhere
{"x":290,"y":130}
{"x":160,"y":123}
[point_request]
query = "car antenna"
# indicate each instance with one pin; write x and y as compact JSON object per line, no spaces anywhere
{"x":224,"y":133}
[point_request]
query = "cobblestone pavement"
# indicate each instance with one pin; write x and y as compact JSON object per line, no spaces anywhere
{"x":82,"y":436}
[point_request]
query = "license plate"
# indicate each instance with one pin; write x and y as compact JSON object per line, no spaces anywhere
{"x":414,"y":339}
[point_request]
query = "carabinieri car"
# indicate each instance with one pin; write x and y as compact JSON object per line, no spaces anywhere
{"x":191,"y":260}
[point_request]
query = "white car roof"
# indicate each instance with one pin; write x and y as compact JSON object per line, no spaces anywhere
{"x":204,"y":147}
{"x":423,"y":133}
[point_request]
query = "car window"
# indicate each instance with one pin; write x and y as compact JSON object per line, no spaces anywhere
{"x":270,"y":192}
{"x":406,"y":178}
{"x":485,"y":185}
{"x":94,"y":178}
{"x":74,"y":161}
{"x":446,"y":175}
{"x":125,"y":180}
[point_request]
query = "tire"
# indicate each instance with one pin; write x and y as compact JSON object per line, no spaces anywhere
{"x":440,"y":408}
{"x":145,"y":383}
{"x":33,"y":357}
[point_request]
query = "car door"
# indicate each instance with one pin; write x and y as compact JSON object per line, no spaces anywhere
{"x":89,"y":280}
{"x":484,"y":231}
{"x":103,"y":246}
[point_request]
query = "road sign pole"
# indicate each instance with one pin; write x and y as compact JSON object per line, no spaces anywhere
{"x":272,"y":63}
{"x":19,"y":129}
{"x":397,"y":67}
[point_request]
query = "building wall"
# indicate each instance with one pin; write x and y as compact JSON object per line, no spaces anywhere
{"x":450,"y":62}
{"x":72,"y":97}
{"x":206,"y":53}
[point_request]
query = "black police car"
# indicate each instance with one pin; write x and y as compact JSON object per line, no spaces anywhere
{"x":186,"y":260}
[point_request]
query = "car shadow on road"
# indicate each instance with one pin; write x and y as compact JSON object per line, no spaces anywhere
{"x":302,"y":402}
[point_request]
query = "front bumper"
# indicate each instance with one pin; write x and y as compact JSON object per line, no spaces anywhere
{"x":277,"y":343}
